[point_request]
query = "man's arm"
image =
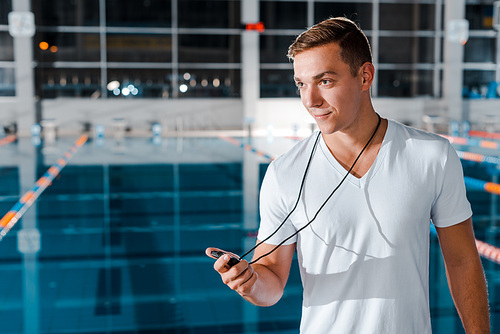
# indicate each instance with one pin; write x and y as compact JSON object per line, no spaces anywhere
{"x":465,"y":276}
{"x":263,"y":282}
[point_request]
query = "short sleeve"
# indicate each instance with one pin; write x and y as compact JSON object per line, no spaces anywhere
{"x":273,"y":210}
{"x":451,"y":205}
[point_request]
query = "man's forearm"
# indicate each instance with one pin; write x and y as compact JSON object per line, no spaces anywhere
{"x":468,"y":289}
{"x":268,"y":288}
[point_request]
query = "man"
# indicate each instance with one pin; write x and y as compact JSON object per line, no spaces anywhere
{"x":361,"y":198}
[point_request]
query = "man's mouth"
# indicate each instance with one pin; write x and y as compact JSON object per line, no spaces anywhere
{"x":320,"y":116}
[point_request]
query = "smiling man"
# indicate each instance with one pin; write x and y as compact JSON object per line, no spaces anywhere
{"x":356,"y":200}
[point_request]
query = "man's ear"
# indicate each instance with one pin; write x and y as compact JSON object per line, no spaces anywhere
{"x":367,"y":74}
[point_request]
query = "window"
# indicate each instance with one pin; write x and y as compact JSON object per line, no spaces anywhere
{"x":209,"y":14}
{"x":52,"y":46}
{"x":209,"y":83}
{"x":139,"y":48}
{"x":134,"y":13}
{"x":409,"y":50}
{"x":209,"y":48}
{"x":67,"y":82}
{"x":283,"y":14}
{"x":277,"y":83}
{"x":405,"y":83}
{"x":66,"y":13}
{"x":412,"y":16}
{"x":359,"y":12}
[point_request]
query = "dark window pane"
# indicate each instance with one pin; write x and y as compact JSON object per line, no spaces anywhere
{"x":480,"y":50}
{"x":406,"y":50}
{"x":480,"y":17}
{"x":406,"y":16}
{"x":7,"y":82}
{"x":273,"y":49}
{"x":277,"y":83}
{"x":5,"y":9}
{"x":209,"y":83}
{"x":209,"y":48}
{"x":51,"y":47}
{"x":360,"y":13}
{"x":137,"y":83}
{"x":66,"y":13}
{"x":67,"y":82}
{"x":6,"y":47}
{"x":139,"y":48}
{"x":405,"y":83}
{"x":283,"y":14}
{"x":135,"y":13}
{"x":209,"y":14}
{"x":478,"y":84}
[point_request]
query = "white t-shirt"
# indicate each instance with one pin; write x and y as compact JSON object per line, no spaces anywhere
{"x":364,"y":260}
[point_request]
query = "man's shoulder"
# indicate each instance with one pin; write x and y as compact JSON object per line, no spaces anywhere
{"x":417,"y":142}
{"x":298,"y":153}
{"x":422,"y":137}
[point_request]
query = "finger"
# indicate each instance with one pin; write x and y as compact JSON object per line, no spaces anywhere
{"x":237,"y":275}
{"x":222,"y":266}
{"x":246,"y":287}
{"x":209,"y":251}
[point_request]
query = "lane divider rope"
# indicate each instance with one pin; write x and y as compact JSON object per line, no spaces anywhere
{"x":7,"y":139}
{"x":246,"y":147}
{"x":472,"y":142}
{"x":490,"y":187}
{"x":478,"y":157}
{"x":484,"y":134}
{"x":488,"y":251}
{"x":25,"y":202}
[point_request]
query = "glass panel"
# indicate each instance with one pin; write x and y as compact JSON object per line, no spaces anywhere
{"x":66,"y":13}
{"x":209,"y":49}
{"x":7,"y":82}
{"x":209,"y":14}
{"x":6,"y":47}
{"x":5,"y":9}
{"x":134,"y":82}
{"x":479,"y":84}
{"x":67,"y":82}
{"x":277,"y":83}
{"x":283,"y":14}
{"x":209,"y":83}
{"x":273,"y":49}
{"x":139,"y":48}
{"x":405,"y":83}
{"x":406,"y":16}
{"x":50,"y":47}
{"x":480,"y":50}
{"x":360,"y":13}
{"x":407,"y":50}
{"x":480,"y":17}
{"x":150,"y":13}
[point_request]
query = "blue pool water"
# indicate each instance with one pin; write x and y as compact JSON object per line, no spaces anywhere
{"x":123,"y":232}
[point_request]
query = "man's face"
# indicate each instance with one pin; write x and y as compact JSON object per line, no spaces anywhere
{"x":327,"y":88}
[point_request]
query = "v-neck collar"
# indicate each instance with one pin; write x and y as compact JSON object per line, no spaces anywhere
{"x":360,"y":182}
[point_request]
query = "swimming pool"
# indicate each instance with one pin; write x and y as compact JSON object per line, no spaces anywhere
{"x":123,"y":231}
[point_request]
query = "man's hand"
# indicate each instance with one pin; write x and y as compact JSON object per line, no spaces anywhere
{"x":240,"y":277}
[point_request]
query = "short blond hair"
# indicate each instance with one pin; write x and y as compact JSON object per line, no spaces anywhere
{"x":354,"y":46}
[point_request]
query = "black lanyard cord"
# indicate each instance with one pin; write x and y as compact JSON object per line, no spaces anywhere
{"x":296,"y":203}
{"x":300,"y":192}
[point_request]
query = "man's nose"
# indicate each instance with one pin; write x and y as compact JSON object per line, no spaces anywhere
{"x":311,"y":98}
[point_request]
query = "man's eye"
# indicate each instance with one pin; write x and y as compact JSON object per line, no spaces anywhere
{"x":325,"y":82}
